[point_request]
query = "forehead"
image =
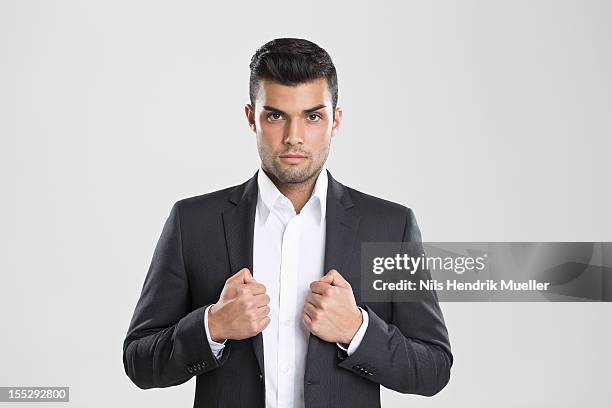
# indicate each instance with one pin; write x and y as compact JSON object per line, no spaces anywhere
{"x":301,"y":96}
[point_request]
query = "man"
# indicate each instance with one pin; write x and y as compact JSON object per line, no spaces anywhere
{"x":255,"y":289}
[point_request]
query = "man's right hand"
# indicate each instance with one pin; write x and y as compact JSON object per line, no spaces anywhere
{"x":242,"y":310}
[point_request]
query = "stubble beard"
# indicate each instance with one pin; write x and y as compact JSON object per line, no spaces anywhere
{"x":289,"y":174}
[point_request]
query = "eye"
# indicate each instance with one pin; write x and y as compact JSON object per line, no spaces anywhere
{"x":314,"y":117}
{"x":274,"y":116}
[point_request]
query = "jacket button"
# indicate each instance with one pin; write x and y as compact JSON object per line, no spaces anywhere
{"x":189,"y":370}
{"x":260,"y":377}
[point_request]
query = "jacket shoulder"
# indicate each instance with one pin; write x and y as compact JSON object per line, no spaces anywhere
{"x":369,"y":204}
{"x":208,"y":203}
{"x":390,"y":215}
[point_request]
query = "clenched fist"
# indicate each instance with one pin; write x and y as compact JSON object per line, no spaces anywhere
{"x":330,"y":312}
{"x":242,"y":310}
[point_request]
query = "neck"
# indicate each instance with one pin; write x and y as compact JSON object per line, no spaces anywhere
{"x":297,"y":193}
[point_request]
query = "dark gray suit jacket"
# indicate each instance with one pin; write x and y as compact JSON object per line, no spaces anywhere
{"x":208,"y":238}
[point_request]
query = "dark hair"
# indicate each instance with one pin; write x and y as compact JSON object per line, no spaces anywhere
{"x":292,"y":61}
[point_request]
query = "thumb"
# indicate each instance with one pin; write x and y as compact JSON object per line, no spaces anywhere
{"x":334,"y":278}
{"x":247,"y":276}
{"x":242,"y":276}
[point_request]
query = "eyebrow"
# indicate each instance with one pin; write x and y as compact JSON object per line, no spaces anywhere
{"x":314,"y":108}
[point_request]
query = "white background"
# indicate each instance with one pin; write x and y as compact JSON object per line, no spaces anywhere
{"x":490,"y":119}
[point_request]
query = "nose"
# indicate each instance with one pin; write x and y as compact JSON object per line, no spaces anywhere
{"x":294,"y":133}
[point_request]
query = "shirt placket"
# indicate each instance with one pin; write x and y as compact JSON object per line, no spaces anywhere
{"x":286,"y":313}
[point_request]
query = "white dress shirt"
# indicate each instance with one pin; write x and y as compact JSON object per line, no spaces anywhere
{"x":288,"y":254}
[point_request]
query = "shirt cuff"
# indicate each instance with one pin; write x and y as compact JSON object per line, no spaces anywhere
{"x":356,"y":341}
{"x":217,"y":348}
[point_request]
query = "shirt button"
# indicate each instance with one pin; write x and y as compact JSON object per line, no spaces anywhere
{"x":287,"y":322}
{"x":285,"y":370}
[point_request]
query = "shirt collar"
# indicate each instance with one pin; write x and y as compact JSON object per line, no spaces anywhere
{"x":269,"y":195}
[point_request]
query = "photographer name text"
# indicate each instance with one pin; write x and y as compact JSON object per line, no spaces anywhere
{"x":455,"y":285}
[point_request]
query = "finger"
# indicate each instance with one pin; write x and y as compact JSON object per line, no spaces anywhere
{"x":261,"y":300}
{"x":248,"y":276}
{"x":327,"y":278}
{"x":310,"y":310}
{"x":316,"y":300}
{"x":255,"y":288}
{"x":242,"y":290}
{"x":263,"y":323}
{"x":336,"y":279}
{"x":307,"y":321}
{"x":241,"y":276}
{"x":262,"y":312}
{"x":319,"y":287}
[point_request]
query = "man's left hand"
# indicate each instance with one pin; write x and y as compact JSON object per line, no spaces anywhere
{"x":330,"y":312}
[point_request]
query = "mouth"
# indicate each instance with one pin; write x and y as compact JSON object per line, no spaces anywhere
{"x":292,"y":158}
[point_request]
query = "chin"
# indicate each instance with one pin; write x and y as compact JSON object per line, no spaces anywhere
{"x":295,"y":174}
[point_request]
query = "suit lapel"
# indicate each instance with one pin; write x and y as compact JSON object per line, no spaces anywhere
{"x":239,"y":224}
{"x":341,"y":226}
{"x":340,"y":232}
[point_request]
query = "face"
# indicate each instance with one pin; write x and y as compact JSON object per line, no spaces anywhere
{"x":294,"y":126}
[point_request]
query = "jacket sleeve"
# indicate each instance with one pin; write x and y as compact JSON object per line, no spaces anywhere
{"x":410,"y":353}
{"x":166,"y":343}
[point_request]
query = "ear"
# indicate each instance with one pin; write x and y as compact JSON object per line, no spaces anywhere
{"x":250,"y":115}
{"x":337,"y":120}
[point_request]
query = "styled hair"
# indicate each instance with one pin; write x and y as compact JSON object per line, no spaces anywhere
{"x":292,"y":61}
